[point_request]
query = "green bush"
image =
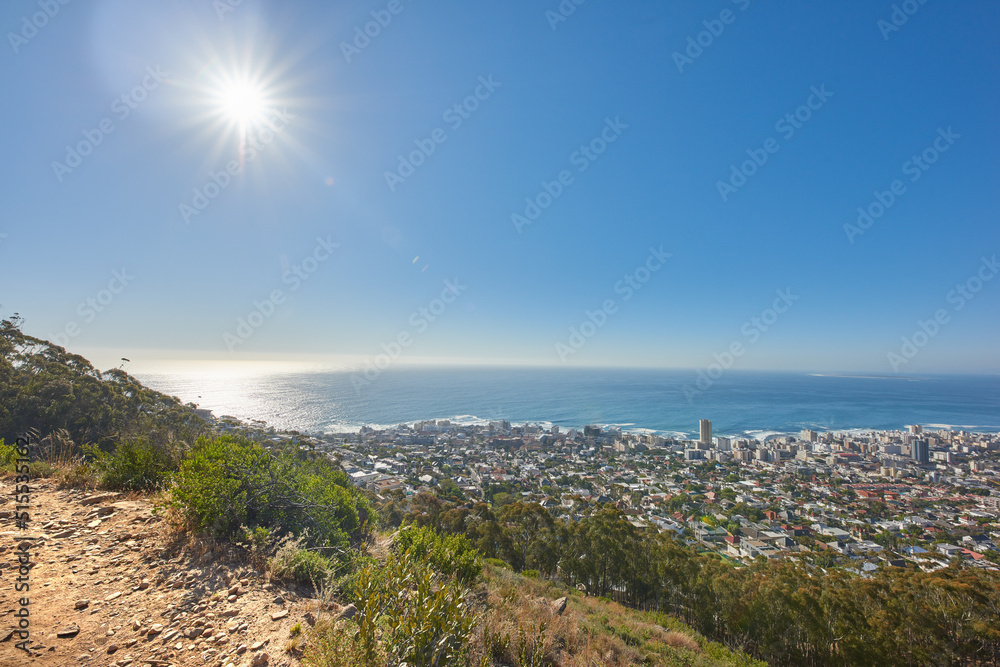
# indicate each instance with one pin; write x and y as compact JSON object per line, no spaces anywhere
{"x":292,"y":562}
{"x":448,"y":554}
{"x":427,"y":626}
{"x":228,"y":485}
{"x":134,"y":465}
{"x":8,"y":454}
{"x":41,"y":469}
{"x":496,"y":562}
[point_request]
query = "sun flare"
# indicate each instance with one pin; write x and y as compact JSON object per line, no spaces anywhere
{"x":242,"y":103}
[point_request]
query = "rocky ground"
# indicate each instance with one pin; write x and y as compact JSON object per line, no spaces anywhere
{"x":112,"y":584}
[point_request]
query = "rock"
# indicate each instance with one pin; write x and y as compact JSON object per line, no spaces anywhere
{"x":193,"y":633}
{"x":240,"y":650}
{"x":260,"y":659}
{"x":347,"y":612}
{"x":278,"y":600}
{"x":104,"y":511}
{"x":64,"y":533}
{"x":559,"y":606}
{"x":113,"y":596}
{"x":98,"y":499}
{"x":257,"y":646}
{"x":94,"y":524}
{"x":279,"y":614}
{"x":310,"y":618}
{"x":81,"y":604}
{"x":144,"y":584}
{"x":71,"y":630}
{"x":155,"y":629}
{"x":113,"y":649}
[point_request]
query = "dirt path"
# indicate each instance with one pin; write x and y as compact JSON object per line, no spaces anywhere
{"x":110,"y":584}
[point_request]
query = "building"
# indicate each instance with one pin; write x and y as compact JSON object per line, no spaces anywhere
{"x":706,"y":431}
{"x":920,"y":451}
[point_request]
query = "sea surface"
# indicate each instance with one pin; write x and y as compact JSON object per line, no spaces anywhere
{"x":667,"y":402}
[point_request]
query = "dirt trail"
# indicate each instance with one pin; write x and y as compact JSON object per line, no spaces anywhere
{"x":110,"y":584}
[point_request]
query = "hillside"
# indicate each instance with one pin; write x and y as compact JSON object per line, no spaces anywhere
{"x":114,"y":584}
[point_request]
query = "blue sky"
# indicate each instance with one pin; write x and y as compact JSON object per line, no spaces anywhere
{"x":671,"y":120}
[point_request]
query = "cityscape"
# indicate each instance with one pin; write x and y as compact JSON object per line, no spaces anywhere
{"x":918,"y":496}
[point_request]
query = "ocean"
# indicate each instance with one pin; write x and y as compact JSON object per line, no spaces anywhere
{"x":667,"y":402}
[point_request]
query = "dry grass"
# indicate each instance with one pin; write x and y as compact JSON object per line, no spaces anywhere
{"x":681,"y":640}
{"x":519,"y":627}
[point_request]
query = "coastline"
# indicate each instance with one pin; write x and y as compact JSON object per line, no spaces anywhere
{"x":741,"y":404}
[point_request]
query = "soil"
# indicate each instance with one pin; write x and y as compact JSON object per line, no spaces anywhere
{"x":112,"y":583}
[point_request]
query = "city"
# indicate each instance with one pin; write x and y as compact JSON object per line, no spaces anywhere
{"x":859,"y":498}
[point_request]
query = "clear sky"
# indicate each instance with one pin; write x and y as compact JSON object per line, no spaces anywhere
{"x":371,"y":177}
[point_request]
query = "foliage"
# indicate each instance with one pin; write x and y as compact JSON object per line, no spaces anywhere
{"x":134,"y":465}
{"x":409,"y":615}
{"x":294,"y":562}
{"x":450,"y":555}
{"x":787,"y":613}
{"x":229,"y":484}
{"x":44,"y":388}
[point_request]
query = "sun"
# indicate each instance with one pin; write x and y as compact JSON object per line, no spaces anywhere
{"x":242,"y":103}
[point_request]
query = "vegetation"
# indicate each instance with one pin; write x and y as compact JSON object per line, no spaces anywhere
{"x":46,"y":390}
{"x":785,"y":613}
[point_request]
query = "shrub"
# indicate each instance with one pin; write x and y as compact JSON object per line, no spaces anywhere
{"x":8,"y":454}
{"x":228,"y":485}
{"x":429,"y":625}
{"x":293,"y":562}
{"x":134,"y":465}
{"x":331,"y":645}
{"x":448,"y":554}
{"x":496,"y":562}
{"x":40,"y":469}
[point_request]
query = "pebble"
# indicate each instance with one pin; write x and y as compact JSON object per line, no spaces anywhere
{"x":71,"y":630}
{"x":279,"y":614}
{"x":82,"y":604}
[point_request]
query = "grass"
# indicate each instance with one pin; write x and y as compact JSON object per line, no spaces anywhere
{"x":518,"y":626}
